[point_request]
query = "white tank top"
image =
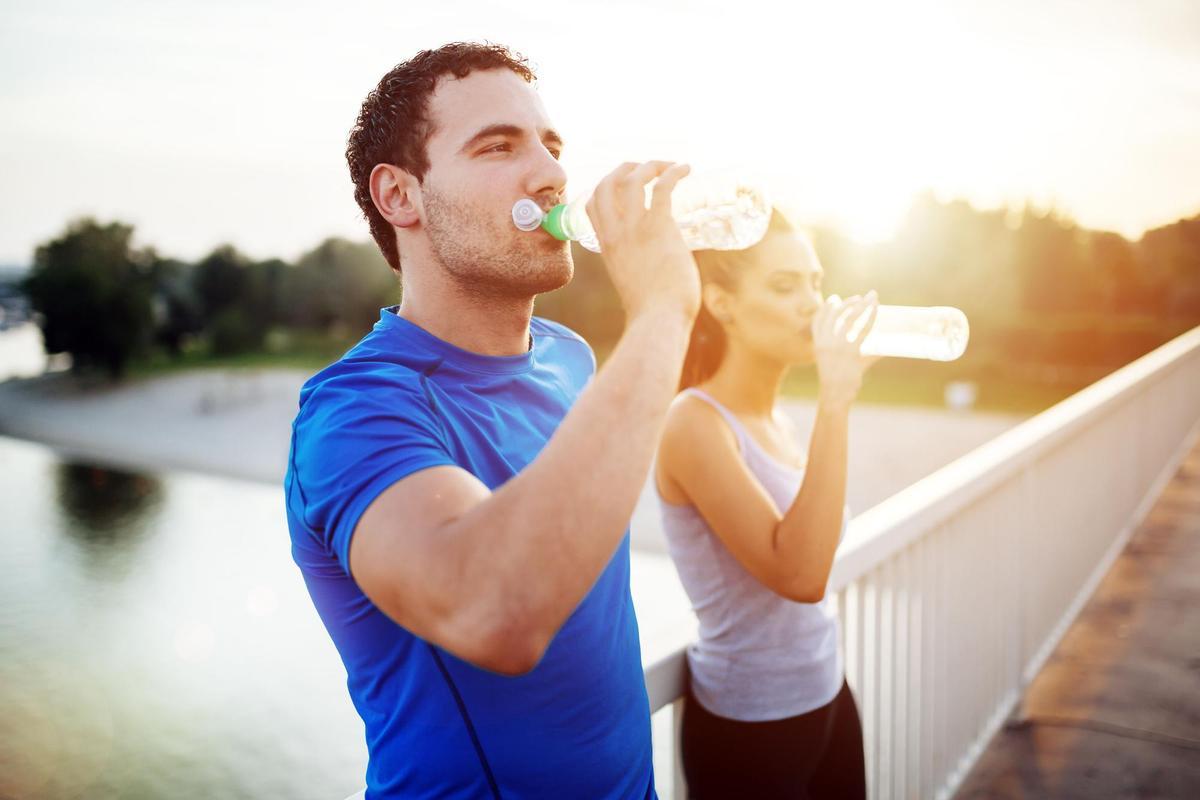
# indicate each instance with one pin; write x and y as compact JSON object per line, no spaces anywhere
{"x":759,"y":656}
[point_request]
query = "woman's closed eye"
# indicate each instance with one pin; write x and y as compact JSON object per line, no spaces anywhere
{"x":785,"y":284}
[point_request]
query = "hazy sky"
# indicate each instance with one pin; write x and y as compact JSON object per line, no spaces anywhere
{"x":216,"y":121}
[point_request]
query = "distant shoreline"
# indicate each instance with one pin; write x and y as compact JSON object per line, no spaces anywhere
{"x":232,"y":423}
{"x":236,"y":423}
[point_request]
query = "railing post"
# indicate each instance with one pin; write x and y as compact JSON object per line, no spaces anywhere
{"x":1028,"y":515}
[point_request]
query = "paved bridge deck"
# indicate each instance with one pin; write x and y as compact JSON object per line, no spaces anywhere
{"x":1116,"y":710}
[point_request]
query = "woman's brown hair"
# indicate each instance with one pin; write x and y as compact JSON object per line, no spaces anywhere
{"x":706,"y":349}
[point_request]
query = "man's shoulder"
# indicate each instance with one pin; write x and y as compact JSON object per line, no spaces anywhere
{"x":362,"y":379}
{"x":541,"y":326}
{"x":557,"y":333}
{"x":358,"y":408}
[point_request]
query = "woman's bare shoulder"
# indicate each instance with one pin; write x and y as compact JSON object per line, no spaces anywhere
{"x":691,"y":423}
{"x":693,"y":428}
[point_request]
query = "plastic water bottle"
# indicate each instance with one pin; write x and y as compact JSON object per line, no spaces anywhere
{"x":714,"y":212}
{"x":938,"y":333}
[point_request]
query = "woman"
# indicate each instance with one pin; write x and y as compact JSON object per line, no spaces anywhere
{"x":753,"y":526}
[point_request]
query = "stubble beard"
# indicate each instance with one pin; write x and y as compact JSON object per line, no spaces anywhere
{"x":489,"y":260}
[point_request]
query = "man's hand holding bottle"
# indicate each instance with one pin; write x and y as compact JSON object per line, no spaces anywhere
{"x":645,"y":254}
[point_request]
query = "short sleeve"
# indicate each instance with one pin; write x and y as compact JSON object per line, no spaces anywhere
{"x":352,"y":440}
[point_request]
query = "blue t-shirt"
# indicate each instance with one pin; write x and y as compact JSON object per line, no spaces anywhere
{"x":402,"y":400}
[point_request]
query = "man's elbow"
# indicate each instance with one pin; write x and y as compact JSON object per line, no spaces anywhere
{"x":511,"y":657}
{"x":508,"y":647}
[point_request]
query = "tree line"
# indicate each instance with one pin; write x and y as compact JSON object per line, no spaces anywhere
{"x":108,"y":303}
{"x":1045,"y":296}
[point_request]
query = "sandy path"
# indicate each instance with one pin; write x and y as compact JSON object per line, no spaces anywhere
{"x":234,"y":423}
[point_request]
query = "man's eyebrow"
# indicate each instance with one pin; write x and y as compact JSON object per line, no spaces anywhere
{"x":512,"y":131}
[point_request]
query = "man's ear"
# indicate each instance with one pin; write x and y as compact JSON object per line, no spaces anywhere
{"x":716,"y":302}
{"x":397,"y":195}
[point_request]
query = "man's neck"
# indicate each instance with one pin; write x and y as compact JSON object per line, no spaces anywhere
{"x":489,"y":327}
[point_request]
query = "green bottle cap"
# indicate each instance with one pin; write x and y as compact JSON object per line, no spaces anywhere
{"x":552,"y":223}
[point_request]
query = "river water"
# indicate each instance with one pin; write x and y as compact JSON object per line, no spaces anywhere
{"x":156,"y":640}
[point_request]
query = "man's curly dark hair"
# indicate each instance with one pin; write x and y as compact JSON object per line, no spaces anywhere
{"x":393,"y":125}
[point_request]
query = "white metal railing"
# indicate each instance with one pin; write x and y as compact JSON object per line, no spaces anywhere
{"x":953,"y":593}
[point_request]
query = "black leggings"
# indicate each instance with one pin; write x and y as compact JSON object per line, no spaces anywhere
{"x":814,"y":755}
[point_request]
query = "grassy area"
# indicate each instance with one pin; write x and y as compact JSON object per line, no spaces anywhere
{"x":907,"y":382}
{"x":283,"y":350}
{"x":915,"y":388}
{"x":890,"y":382}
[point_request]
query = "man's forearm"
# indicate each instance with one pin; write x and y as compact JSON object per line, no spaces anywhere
{"x":538,"y":544}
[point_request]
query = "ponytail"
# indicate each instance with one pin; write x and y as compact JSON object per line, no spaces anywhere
{"x":706,"y":348}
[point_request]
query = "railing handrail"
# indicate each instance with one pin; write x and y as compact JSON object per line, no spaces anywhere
{"x":881,"y":531}
{"x":891,"y":525}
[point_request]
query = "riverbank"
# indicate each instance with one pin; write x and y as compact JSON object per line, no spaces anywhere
{"x":237,"y":423}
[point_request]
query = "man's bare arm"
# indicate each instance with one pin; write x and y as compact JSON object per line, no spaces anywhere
{"x":491,"y":577}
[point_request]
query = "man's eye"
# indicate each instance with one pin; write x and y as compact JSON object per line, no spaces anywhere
{"x":503,"y":147}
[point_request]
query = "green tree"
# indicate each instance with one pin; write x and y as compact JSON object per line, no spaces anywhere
{"x":176,"y":307}
{"x":1170,"y":261}
{"x":1115,"y":267}
{"x":338,"y":288}
{"x":1052,"y":256}
{"x":93,"y":292}
{"x":235,"y":300}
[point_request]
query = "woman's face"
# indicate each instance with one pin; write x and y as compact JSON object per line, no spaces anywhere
{"x":777,"y":295}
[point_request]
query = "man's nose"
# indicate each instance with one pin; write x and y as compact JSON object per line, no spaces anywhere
{"x":546,"y":176}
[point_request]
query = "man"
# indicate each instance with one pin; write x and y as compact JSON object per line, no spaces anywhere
{"x":460,"y":485}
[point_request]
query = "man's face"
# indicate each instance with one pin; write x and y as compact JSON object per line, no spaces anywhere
{"x":492,"y":144}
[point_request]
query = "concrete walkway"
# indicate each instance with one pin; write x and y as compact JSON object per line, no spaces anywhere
{"x":1115,"y":713}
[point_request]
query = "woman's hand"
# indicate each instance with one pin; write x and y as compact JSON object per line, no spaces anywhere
{"x":839,"y":329}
